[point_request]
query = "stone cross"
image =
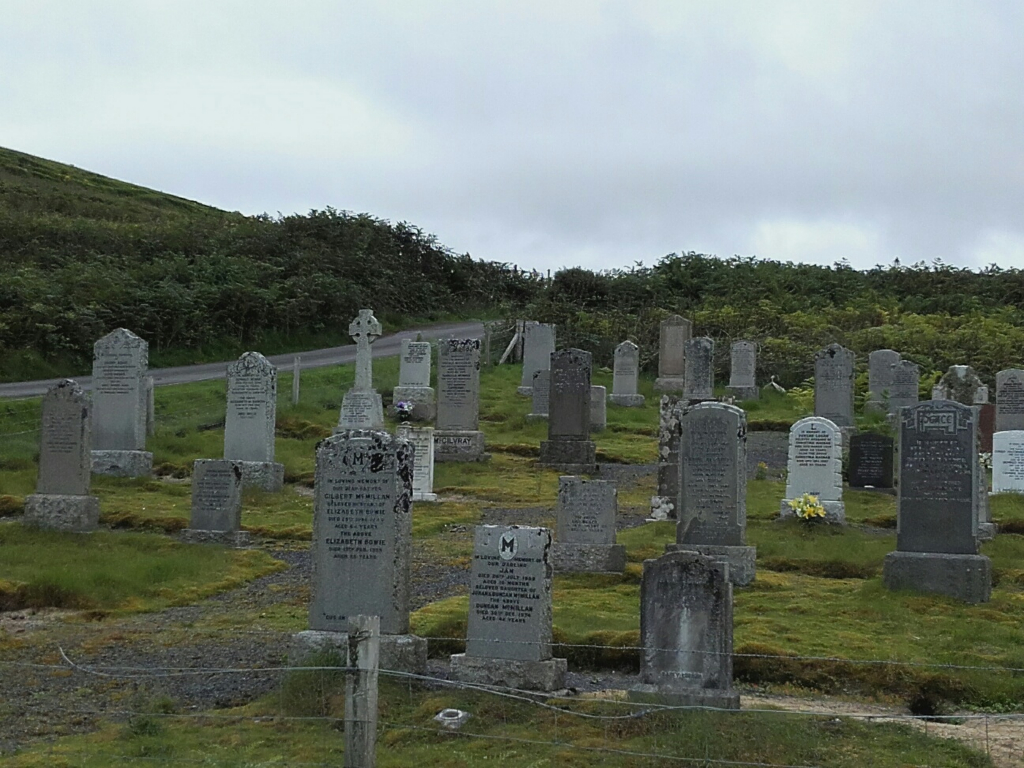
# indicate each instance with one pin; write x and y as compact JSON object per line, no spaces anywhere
{"x":365,"y":329}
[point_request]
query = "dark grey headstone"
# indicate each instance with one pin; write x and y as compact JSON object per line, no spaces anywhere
{"x":216,"y":495}
{"x":64,"y":445}
{"x":833,"y":385}
{"x":586,"y":512}
{"x":569,"y":401}
{"x":362,"y":529}
{"x":871,"y":461}
{"x":541,"y":393}
{"x":937,"y":500}
{"x":699,"y":380}
{"x":458,"y":384}
{"x":1010,"y":400}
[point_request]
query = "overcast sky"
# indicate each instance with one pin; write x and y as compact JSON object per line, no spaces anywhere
{"x":555,"y":133}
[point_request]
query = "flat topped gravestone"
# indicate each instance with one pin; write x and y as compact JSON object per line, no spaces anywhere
{"x":119,"y":364}
{"x":816,"y":467}
{"x":833,"y":385}
{"x":712,"y":506}
{"x":458,"y":437}
{"x":1009,"y":400}
{"x":540,"y":394}
{"x":422,"y":441}
{"x":871,"y":461}
{"x":938,"y":504}
{"x":675,"y":331}
{"x":585,"y":527}
{"x":362,"y":531}
{"x":508,"y":639}
{"x":663,"y":505}
{"x":216,"y":503}
{"x":414,"y":380}
{"x":361,"y":407}
{"x":1008,"y":461}
{"x":743,"y":371}
{"x":62,"y":501}
{"x":686,"y":631}
{"x":538,"y":344}
{"x":881,"y":371}
{"x":250,"y":419}
{"x":625,"y":376}
{"x":699,"y":379}
{"x":569,"y":447}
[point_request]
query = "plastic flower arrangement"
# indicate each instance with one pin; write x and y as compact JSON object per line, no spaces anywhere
{"x":808,"y":508}
{"x":403,"y":410}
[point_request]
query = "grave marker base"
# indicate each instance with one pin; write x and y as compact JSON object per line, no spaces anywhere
{"x":570,"y":457}
{"x":61,"y":512}
{"x":421,"y":398}
{"x":669,"y":384}
{"x":536,"y":417}
{"x":742,"y":560}
{"x":459,"y":445}
{"x":987,"y":531}
{"x":402,"y":653}
{"x":122,"y":463}
{"x":835,"y":511}
{"x":266,"y":475}
{"x":744,"y":393}
{"x":653,"y":694}
{"x":546,"y":675}
{"x":584,"y":558}
{"x":233,"y":539}
{"x":416,"y":496}
{"x":627,"y":401}
{"x":964,"y":577}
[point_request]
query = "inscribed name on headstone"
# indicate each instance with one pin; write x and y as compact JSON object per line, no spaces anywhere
{"x":937,"y":503}
{"x":216,"y":495}
{"x":1008,"y":462}
{"x":538,"y":344}
{"x":625,"y":375}
{"x":871,"y":461}
{"x":1010,"y":400}
{"x":362,"y":528}
{"x":510,"y":593}
{"x":422,"y":441}
{"x":458,"y":384}
{"x":251,"y":409}
{"x":833,"y":385}
{"x":120,"y":361}
{"x":675,"y":331}
{"x":743,"y":370}
{"x":414,"y":364}
{"x":586,"y":512}
{"x":904,"y":390}
{"x":569,"y":403}
{"x":699,"y":379}
{"x":713,"y":478}
{"x":64,"y":441}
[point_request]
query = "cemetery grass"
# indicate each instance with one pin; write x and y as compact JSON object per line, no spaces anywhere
{"x":505,"y":731}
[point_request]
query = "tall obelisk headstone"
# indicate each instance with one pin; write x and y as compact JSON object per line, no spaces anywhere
{"x":361,"y":407}
{"x":119,"y":364}
{"x":62,"y":501}
{"x":250,"y":420}
{"x":675,"y":332}
{"x":362,"y":541}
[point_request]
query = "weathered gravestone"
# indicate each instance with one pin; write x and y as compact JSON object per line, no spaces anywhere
{"x":1008,"y":461}
{"x":458,"y":436}
{"x":816,"y":467}
{"x":362,"y":533}
{"x":962,"y":385}
{"x":871,"y":461}
{"x":686,"y":630}
{"x":540,"y":395}
{"x":881,"y":372}
{"x":712,"y":506}
{"x":585,"y":527}
{"x":569,"y":447}
{"x":119,"y":364}
{"x":938,"y":505}
{"x":361,"y":407}
{"x":743,"y":371}
{"x":833,"y":385}
{"x":663,"y":505}
{"x":508,"y":639}
{"x":904,"y":391}
{"x":1010,"y":400}
{"x":699,"y":379}
{"x":150,"y":406}
{"x":598,"y":408}
{"x":538,"y":344}
{"x":625,"y":376}
{"x":414,"y":379}
{"x":249,"y":422}
{"x":216,"y":504}
{"x":422,"y":441}
{"x":62,"y":501}
{"x":674,"y":333}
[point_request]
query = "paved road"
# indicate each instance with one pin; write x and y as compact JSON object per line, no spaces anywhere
{"x":385,"y":346}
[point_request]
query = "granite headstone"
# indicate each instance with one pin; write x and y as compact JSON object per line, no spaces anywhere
{"x":833,"y":385}
{"x":119,"y":365}
{"x":625,"y":376}
{"x":250,"y":420}
{"x":585,"y":527}
{"x":1010,"y":400}
{"x":569,"y":447}
{"x":871,"y":461}
{"x":675,"y":331}
{"x":743,"y":371}
{"x":458,"y":436}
